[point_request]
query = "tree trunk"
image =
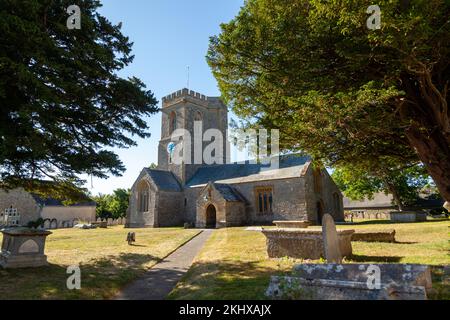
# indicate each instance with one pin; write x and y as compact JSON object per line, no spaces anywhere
{"x":427,"y":116}
{"x":393,"y":190}
{"x":434,"y":152}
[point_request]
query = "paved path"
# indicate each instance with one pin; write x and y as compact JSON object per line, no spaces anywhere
{"x":157,"y":283}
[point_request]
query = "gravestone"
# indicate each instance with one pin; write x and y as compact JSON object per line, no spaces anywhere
{"x":447,"y":206}
{"x":47,"y":224}
{"x":54,"y":224}
{"x":353,"y":282}
{"x":330,"y":240}
{"x":131,"y":238}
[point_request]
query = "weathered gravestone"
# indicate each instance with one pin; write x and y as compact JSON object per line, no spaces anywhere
{"x":330,"y":240}
{"x":131,"y":238}
{"x":353,"y":282}
{"x":23,"y":248}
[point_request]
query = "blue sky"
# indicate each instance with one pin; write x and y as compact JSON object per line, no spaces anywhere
{"x":168,"y":36}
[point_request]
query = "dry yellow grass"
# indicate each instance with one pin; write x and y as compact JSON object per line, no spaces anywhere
{"x":234,"y":264}
{"x":107,"y":262}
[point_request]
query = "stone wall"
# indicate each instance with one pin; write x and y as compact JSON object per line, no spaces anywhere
{"x":25,"y":204}
{"x":187,"y":105}
{"x":325,"y":196}
{"x":169,"y":209}
{"x":288,"y":201}
{"x":136,"y":219}
{"x":62,"y":213}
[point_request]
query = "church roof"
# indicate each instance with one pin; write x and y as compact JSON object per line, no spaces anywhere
{"x":164,"y":180}
{"x":228,"y":192}
{"x":291,"y":166}
{"x":51,"y":202}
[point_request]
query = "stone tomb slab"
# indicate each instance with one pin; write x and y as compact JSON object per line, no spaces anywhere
{"x":303,"y":243}
{"x":408,"y":216}
{"x":292,"y":224}
{"x":23,"y":248}
{"x":374,"y":236}
{"x":352,"y":282}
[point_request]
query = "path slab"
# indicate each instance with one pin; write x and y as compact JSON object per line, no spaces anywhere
{"x":159,"y":281}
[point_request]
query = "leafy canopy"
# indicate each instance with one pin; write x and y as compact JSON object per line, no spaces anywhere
{"x":337,"y":90}
{"x":64,"y":105}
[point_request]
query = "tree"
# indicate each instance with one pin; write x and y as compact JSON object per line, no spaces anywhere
{"x":103,"y":209}
{"x":63,"y":104}
{"x":341,"y":92}
{"x":119,"y":203}
{"x":403,"y":184}
{"x":113,"y":205}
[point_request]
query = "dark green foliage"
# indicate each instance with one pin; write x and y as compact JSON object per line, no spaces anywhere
{"x":337,"y":90}
{"x":404,"y":184}
{"x":113,"y":205}
{"x":63,"y":105}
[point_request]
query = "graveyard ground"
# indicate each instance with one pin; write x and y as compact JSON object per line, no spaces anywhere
{"x":234,"y":264}
{"x":107,"y":262}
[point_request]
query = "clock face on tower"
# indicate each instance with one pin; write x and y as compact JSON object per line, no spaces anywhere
{"x":170,"y":149}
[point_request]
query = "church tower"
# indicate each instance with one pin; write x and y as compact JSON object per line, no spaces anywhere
{"x":181,"y":110}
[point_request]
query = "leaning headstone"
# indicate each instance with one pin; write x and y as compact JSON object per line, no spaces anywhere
{"x":131,"y":238}
{"x":353,"y":282}
{"x":330,"y":240}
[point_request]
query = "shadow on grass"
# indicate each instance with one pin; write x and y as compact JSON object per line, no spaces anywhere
{"x":234,"y":280}
{"x":377,"y":259}
{"x":225,"y":280}
{"x":387,"y":222}
{"x":100,"y":279}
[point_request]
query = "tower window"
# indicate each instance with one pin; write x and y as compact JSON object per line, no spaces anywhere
{"x":172,"y":122}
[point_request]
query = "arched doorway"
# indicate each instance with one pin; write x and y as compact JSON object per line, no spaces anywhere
{"x":319,"y":212}
{"x":211,"y":219}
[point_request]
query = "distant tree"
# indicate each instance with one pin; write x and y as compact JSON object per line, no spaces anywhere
{"x":113,"y":205}
{"x":153,"y":166}
{"x":63,"y":104}
{"x":337,"y":90}
{"x":118,"y":204}
{"x":103,"y":206}
{"x":403,"y":184}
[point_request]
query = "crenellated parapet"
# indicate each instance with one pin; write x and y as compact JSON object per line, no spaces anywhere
{"x":175,"y":97}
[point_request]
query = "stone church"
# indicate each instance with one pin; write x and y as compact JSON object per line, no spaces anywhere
{"x":229,"y":194}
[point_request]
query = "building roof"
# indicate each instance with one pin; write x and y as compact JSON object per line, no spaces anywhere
{"x":164,"y":180}
{"x":228,"y":192}
{"x":290,"y":166}
{"x":385,"y":201}
{"x":380,"y":200}
{"x":51,"y":202}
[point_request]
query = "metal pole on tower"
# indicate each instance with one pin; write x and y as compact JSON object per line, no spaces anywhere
{"x":188,"y":69}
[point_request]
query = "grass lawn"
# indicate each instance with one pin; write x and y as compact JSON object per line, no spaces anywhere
{"x":233,"y":264}
{"x":106,"y":261}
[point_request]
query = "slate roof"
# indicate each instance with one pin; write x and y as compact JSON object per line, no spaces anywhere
{"x":164,"y":180}
{"x":51,"y":202}
{"x":385,"y":201}
{"x":228,"y":192}
{"x":291,"y":166}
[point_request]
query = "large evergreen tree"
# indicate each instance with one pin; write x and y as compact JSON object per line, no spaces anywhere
{"x":63,"y":104}
{"x":337,"y":89}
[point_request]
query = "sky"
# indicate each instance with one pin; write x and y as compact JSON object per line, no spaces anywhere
{"x":168,"y":36}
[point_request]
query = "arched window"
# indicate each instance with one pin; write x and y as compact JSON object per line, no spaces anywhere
{"x":172,"y":122}
{"x":198,"y":120}
{"x":143,"y":197}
